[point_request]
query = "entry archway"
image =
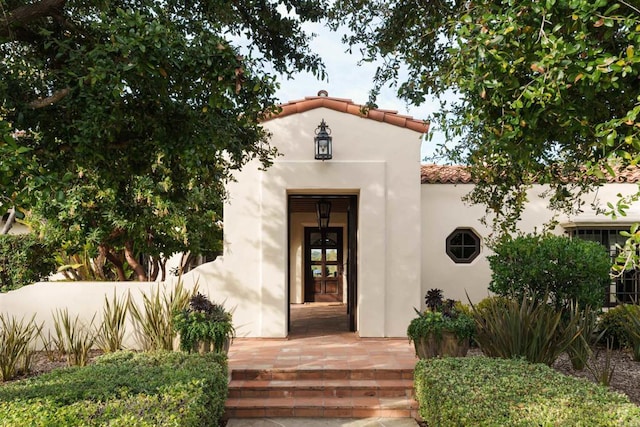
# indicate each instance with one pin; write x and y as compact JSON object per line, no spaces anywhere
{"x":323,"y":262}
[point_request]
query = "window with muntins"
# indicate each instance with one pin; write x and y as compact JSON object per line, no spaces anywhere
{"x":625,"y":288}
{"x":463,"y":245}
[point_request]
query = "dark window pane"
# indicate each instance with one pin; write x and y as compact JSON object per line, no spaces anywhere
{"x":463,"y":245}
{"x":456,"y":240}
{"x":456,"y":251}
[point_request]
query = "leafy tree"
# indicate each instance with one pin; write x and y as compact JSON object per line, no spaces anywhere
{"x":548,"y":91}
{"x":135,"y":112}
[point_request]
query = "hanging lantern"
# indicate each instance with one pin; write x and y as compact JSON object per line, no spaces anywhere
{"x":323,"y":209}
{"x":322,"y":142}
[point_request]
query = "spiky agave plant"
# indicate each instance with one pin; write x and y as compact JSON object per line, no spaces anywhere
{"x":433,"y":299}
{"x":201,"y":303}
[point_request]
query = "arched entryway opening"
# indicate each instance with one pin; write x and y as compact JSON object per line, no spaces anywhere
{"x":322,"y":258}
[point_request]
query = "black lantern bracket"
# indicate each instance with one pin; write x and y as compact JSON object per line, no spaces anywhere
{"x":323,"y":142}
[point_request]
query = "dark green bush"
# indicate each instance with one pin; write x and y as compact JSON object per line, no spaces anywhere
{"x":565,"y":269}
{"x":481,"y":391}
{"x":122,"y":389}
{"x":24,"y":259}
{"x":612,"y":323}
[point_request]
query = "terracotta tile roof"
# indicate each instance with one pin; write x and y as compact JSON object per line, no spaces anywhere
{"x":629,"y":174}
{"x":347,"y":106}
{"x":439,"y":174}
{"x":443,"y":174}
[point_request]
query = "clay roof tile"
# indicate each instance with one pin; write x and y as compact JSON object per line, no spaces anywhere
{"x":347,"y":106}
{"x":456,"y":174}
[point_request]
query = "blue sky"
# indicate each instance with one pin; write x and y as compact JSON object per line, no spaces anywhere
{"x":346,"y":79}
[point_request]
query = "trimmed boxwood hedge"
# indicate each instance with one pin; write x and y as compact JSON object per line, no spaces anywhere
{"x":122,"y":389}
{"x":482,"y":391}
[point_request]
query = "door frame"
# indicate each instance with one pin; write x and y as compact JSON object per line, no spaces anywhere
{"x":350,"y":257}
{"x":308,"y":278}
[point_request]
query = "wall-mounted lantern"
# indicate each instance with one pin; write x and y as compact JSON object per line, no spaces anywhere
{"x":322,"y":142}
{"x":323,"y":209}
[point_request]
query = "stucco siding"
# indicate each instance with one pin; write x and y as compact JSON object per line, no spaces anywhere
{"x":443,"y":211}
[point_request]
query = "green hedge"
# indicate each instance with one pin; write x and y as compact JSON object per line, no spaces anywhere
{"x":482,"y":391}
{"x":558,"y":267}
{"x":24,"y":259}
{"x":122,"y":389}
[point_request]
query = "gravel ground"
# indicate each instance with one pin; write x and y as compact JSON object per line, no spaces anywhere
{"x":626,"y":372}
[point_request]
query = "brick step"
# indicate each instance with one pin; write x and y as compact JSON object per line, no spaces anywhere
{"x":326,"y":407}
{"x":321,"y":374}
{"x":346,"y":393}
{"x":320,"y":388}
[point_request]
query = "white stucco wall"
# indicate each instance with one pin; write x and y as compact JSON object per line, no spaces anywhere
{"x":443,"y":211}
{"x":376,"y":161}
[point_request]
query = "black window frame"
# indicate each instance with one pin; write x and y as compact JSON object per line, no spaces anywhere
{"x":624,"y":288}
{"x":464,"y":231}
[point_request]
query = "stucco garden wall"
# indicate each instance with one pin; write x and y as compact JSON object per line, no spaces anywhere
{"x":82,"y":299}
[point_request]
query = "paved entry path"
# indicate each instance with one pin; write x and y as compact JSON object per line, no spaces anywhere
{"x":319,"y":339}
{"x":323,"y":422}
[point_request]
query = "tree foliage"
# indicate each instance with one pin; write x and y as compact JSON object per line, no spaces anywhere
{"x":24,"y":259}
{"x":122,"y":120}
{"x":547,"y":91}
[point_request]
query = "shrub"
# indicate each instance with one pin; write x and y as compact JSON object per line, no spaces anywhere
{"x":480,"y":391}
{"x":489,"y":302}
{"x":567,"y":270}
{"x":612,"y":324}
{"x":526,"y":328}
{"x":24,"y":259}
{"x":153,"y":322}
{"x":632,"y":328}
{"x":204,"y":323}
{"x":122,"y":389}
{"x":16,"y":339}
{"x":579,"y":350}
{"x":73,"y":337}
{"x":110,"y":333}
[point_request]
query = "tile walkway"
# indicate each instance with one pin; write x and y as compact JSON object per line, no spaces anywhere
{"x":319,"y":339}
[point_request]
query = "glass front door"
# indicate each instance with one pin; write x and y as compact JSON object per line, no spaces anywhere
{"x":323,"y":264}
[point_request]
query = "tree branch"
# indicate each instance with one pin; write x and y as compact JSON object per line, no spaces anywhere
{"x":10,"y":220}
{"x":629,"y":6}
{"x":27,"y":13}
{"x":49,"y":100}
